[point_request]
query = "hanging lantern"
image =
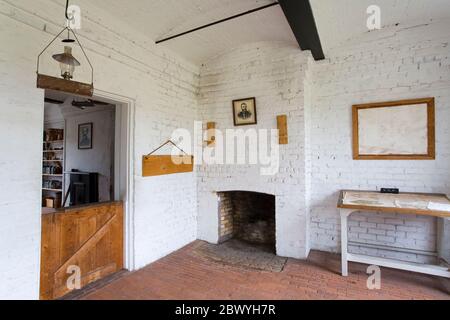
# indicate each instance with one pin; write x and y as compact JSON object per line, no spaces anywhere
{"x":67,"y":64}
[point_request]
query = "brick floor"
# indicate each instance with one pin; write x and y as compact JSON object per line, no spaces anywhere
{"x":187,"y":275}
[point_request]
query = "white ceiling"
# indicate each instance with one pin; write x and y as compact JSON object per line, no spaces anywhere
{"x":340,"y":20}
{"x":162,"y":18}
{"x":336,"y":20}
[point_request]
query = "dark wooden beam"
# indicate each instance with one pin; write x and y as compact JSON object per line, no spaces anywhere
{"x":301,"y":19}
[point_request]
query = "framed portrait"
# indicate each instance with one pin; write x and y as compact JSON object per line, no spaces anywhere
{"x":85,"y":136}
{"x":244,"y":112}
{"x":395,"y":130}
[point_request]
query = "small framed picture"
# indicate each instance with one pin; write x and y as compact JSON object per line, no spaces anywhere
{"x":85,"y":136}
{"x":244,"y":112}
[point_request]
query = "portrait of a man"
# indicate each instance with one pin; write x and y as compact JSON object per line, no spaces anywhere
{"x":85,"y":136}
{"x":244,"y":112}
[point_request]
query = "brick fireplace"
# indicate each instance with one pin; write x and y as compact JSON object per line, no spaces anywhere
{"x":248,"y":216}
{"x":254,"y":69}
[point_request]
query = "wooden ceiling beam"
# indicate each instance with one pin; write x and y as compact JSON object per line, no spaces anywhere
{"x":300,"y":17}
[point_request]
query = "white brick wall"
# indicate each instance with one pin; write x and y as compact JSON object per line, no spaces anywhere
{"x":273,"y":73}
{"x":393,"y":64}
{"x":126,"y":63}
{"x":384,"y":65}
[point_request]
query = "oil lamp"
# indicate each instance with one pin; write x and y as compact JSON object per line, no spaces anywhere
{"x":67,"y":64}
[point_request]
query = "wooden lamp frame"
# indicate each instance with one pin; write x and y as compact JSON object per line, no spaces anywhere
{"x":59,"y":84}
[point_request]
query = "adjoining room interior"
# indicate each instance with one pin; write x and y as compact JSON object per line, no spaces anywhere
{"x":239,"y":149}
{"x":78,"y":155}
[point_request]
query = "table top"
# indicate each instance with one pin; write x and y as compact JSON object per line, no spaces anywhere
{"x":437,"y":205}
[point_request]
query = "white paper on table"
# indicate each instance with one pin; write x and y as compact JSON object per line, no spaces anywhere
{"x":439,"y":206}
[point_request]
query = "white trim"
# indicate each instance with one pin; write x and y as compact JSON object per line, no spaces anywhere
{"x":402,"y":265}
{"x":382,"y":262}
{"x":125,"y":121}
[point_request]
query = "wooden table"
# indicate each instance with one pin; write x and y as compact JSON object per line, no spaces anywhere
{"x":436,"y":205}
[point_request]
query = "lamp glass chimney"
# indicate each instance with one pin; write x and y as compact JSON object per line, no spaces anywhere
{"x":67,"y":63}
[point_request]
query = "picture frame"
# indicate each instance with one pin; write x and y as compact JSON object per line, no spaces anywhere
{"x":85,"y":136}
{"x":394,"y":130}
{"x":244,"y":112}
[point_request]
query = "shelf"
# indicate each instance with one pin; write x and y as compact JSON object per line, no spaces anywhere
{"x":53,"y":155}
{"x":54,"y":190}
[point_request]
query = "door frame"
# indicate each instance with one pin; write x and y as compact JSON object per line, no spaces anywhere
{"x":124,"y":185}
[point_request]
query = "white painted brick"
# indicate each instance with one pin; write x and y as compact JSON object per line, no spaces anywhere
{"x":385,"y":226}
{"x":379,"y":66}
{"x":395,"y":221}
{"x":410,"y":230}
{"x":385,"y":238}
{"x":368,"y":225}
{"x":367,"y":236}
{"x":358,"y":229}
{"x":377,"y":231}
{"x":164,"y":88}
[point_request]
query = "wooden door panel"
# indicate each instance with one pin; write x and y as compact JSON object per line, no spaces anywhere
{"x":89,"y":237}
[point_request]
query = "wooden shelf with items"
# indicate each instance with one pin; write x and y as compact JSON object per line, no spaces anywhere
{"x":52,"y":190}
{"x":53,"y":168}
{"x":50,"y":151}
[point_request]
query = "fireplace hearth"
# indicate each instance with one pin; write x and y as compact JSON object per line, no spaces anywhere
{"x":247,"y":216}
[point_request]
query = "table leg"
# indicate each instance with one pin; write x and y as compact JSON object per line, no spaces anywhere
{"x":443,"y":239}
{"x":345,"y":213}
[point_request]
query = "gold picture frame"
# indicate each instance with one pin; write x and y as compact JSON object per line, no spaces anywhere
{"x":394,"y":130}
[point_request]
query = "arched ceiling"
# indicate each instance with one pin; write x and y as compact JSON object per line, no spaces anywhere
{"x":336,"y":21}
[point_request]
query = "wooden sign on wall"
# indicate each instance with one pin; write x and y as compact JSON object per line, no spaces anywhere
{"x":211,"y":135}
{"x":166,"y":164}
{"x":282,"y":129}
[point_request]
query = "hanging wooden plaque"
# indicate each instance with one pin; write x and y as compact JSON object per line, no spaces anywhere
{"x":153,"y":165}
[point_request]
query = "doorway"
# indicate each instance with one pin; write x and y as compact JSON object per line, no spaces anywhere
{"x":90,"y":225}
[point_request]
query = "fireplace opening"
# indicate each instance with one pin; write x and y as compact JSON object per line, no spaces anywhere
{"x":247,"y":216}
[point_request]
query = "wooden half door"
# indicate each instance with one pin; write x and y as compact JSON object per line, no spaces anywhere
{"x":79,"y":246}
